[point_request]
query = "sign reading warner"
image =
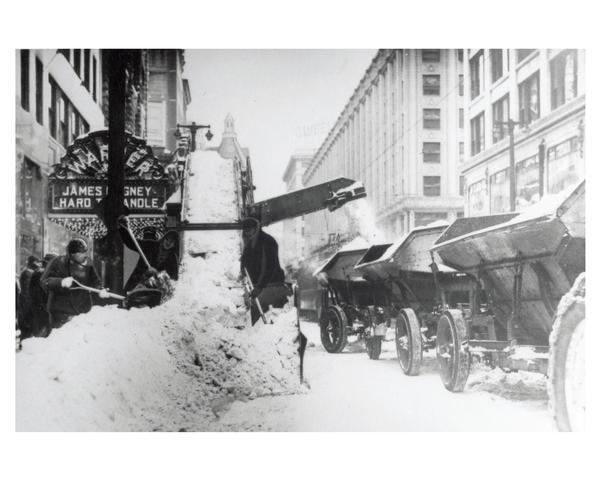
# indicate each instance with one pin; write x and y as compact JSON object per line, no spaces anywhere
{"x":80,"y":196}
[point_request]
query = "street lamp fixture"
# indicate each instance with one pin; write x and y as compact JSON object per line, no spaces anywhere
{"x":193,"y":128}
{"x":511,"y":150}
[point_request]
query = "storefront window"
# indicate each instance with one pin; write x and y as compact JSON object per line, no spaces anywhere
{"x":476,"y":198}
{"x":528,"y":182}
{"x":500,"y":192}
{"x":565,"y":165}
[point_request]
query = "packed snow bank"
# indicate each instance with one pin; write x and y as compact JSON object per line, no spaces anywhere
{"x":172,"y":367}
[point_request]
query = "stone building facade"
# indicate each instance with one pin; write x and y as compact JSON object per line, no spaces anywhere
{"x":293,"y":244}
{"x":544,"y":92}
{"x":401,"y":134}
{"x":58,"y":98}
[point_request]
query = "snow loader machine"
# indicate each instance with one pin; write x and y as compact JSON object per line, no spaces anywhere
{"x":528,"y":311}
{"x":329,"y":195}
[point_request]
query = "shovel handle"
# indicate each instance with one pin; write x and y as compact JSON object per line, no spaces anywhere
{"x":96,"y":290}
{"x":137,"y":245}
{"x":260,"y":310}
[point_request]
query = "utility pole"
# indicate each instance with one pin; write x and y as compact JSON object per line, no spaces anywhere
{"x":193,"y":128}
{"x":117,"y":84}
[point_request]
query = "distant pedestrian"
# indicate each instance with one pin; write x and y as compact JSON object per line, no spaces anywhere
{"x":58,"y":281}
{"x":161,"y":254}
{"x":39,"y":300}
{"x":25,"y":311}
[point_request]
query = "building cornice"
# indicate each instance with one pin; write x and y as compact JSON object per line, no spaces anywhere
{"x":369,"y":78}
{"x":419,"y":203}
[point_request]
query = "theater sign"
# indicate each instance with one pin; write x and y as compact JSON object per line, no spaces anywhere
{"x":81,"y":196}
{"x":79,"y":183}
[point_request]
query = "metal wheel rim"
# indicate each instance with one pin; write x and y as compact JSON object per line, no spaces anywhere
{"x":402,"y":348}
{"x":333,"y":328}
{"x":575,"y":379}
{"x":445,"y":348}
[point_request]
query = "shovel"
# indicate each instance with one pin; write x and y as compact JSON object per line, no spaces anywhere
{"x":249,"y":288}
{"x":141,"y":297}
{"x":163,"y":277}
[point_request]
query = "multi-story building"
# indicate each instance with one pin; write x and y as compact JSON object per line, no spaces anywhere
{"x":543,"y":92}
{"x":62,"y":94}
{"x":58,"y":98}
{"x":168,"y":98}
{"x":292,"y":247}
{"x":401,"y":135}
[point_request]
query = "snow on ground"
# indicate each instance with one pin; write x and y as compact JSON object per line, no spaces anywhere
{"x":349,"y":392}
{"x":174,"y":367}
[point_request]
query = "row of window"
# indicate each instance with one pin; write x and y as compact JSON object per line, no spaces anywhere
{"x":86,"y":68}
{"x":563,"y":72}
{"x":66,"y":123}
{"x":563,"y":85}
{"x":563,"y":168}
{"x":499,"y":66}
{"x":39,"y":85}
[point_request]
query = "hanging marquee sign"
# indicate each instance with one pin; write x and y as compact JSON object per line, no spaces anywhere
{"x":79,"y":182}
{"x":87,"y":157}
{"x":81,"y":196}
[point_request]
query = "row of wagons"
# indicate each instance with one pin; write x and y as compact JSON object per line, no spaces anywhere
{"x":508,"y":289}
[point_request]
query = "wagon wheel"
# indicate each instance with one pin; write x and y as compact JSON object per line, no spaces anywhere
{"x":409,"y":345}
{"x":451,"y":346}
{"x":373,"y":346}
{"x":334,"y":329}
{"x":566,"y":370}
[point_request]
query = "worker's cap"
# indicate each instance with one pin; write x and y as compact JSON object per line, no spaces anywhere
{"x":250,"y":222}
{"x":149,"y":233}
{"x":77,"y":245}
{"x":32,"y":260}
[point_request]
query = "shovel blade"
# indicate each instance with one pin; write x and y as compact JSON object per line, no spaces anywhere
{"x":143,"y":297}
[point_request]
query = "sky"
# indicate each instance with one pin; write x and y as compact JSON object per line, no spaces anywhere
{"x":282,"y":101}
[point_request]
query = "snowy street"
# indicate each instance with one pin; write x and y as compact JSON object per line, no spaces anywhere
{"x":349,"y":392}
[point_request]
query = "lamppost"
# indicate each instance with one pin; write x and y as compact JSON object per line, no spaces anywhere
{"x":510,"y":123}
{"x":193,"y":128}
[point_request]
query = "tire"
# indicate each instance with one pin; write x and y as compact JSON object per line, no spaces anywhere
{"x":334,"y":330}
{"x":566,"y":369}
{"x":453,"y":355}
{"x":409,"y":344}
{"x":373,"y":346}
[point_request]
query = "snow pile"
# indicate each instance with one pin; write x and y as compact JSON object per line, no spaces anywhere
{"x":173,"y":367}
{"x":519,"y":385}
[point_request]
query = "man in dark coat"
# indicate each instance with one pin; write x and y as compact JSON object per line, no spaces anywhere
{"x":58,"y":280}
{"x":162,"y":254}
{"x":39,"y":299}
{"x":260,"y":258}
{"x":260,"y":261}
{"x":25,"y":310}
